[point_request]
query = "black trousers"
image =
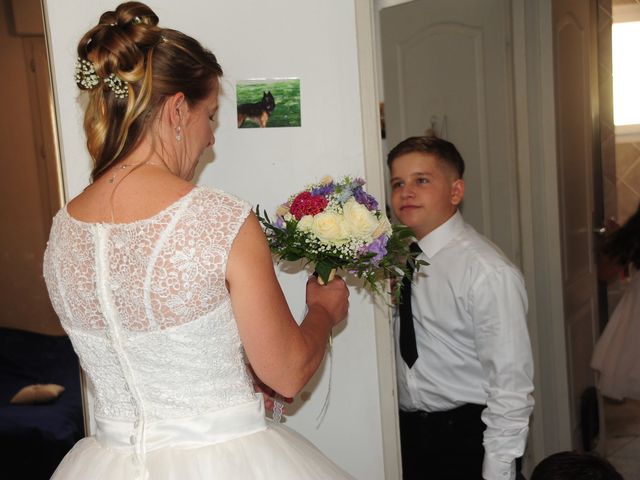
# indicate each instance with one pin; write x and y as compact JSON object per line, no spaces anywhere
{"x":443,"y":445}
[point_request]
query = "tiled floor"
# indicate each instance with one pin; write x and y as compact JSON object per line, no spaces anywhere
{"x":623,"y":436}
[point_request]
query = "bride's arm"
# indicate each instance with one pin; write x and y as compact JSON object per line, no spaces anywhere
{"x":282,"y":354}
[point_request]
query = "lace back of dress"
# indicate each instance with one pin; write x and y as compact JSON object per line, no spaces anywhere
{"x":161,"y":272}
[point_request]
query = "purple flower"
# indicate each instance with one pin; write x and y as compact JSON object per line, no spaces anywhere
{"x":358,"y":182}
{"x":379,"y":247}
{"x":324,"y":190}
{"x":279,"y":223}
{"x":365,"y":199}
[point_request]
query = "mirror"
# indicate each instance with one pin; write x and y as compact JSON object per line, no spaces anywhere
{"x":38,"y":425}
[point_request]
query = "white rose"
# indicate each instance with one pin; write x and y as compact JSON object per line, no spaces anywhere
{"x":359,"y":220}
{"x":306,"y":223}
{"x":383,"y":227}
{"x":329,"y":227}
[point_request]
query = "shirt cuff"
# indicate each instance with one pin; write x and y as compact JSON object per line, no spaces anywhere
{"x":495,"y":467}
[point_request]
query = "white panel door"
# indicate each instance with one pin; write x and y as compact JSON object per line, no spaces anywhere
{"x":576,"y":94}
{"x":446,"y":66}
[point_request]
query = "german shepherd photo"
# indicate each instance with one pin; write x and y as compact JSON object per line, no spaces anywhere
{"x":283,"y":92}
{"x":258,"y":112}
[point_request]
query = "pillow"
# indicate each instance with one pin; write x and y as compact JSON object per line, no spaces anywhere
{"x":37,"y":393}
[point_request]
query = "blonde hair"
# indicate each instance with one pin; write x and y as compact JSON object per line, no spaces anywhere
{"x":156,"y":63}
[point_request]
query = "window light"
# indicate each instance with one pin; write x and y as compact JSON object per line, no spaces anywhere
{"x":626,"y":73}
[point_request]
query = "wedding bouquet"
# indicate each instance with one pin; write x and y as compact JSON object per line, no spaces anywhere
{"x":338,"y":225}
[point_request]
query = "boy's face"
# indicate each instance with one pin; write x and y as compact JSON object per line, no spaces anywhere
{"x":425,"y":192}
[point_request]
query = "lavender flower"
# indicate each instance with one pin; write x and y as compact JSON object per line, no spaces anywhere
{"x":279,"y":223}
{"x":379,"y":247}
{"x":365,"y":199}
{"x":323,"y":190}
{"x":357,"y":182}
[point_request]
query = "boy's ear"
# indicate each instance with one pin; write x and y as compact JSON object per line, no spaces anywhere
{"x":457,"y":191}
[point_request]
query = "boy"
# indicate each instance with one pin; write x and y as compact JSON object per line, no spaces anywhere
{"x":464,"y":365}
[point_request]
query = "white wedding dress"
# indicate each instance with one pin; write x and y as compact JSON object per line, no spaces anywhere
{"x":615,"y":355}
{"x":147,"y":310}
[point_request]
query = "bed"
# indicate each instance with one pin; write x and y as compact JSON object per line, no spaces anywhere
{"x":35,"y":437}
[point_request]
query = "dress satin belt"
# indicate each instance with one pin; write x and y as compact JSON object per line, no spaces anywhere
{"x":191,"y":432}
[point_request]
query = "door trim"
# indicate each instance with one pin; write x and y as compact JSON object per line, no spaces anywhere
{"x":540,"y":222}
{"x":368,"y":51}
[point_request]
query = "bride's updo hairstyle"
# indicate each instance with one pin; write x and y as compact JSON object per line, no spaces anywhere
{"x":130,"y":66}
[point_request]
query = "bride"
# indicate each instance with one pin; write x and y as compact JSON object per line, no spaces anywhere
{"x":163,"y":287}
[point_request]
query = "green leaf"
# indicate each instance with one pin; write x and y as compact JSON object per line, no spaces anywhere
{"x":323,"y":269}
{"x":291,"y":256}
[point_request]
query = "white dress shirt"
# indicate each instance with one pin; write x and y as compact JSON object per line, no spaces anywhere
{"x":469,"y":308}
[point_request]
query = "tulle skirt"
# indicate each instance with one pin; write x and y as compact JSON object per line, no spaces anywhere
{"x":616,"y":355}
{"x":273,"y":452}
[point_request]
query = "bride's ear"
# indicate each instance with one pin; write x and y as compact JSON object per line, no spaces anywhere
{"x":176,"y":107}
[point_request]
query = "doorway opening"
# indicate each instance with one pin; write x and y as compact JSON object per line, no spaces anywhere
{"x":34,"y":434}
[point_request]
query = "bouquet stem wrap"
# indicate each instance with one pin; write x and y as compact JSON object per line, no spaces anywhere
{"x":331,"y":276}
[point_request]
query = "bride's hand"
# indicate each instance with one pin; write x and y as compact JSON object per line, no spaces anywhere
{"x":333,"y":298}
{"x":268,"y":393}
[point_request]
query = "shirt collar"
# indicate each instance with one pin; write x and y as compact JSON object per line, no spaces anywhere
{"x":433,"y":242}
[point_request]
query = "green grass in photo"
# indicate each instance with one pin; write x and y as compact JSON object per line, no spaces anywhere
{"x":286,"y":94}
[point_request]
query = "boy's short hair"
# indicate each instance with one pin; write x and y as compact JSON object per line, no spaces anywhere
{"x":575,"y":466}
{"x":443,"y":150}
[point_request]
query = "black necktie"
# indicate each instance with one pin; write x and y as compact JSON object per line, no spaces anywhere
{"x":408,"y":348}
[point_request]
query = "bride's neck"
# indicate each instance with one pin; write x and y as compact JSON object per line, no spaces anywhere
{"x":142,"y":153}
{"x":147,"y":152}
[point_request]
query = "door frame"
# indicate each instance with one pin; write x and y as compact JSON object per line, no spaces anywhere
{"x":537,"y":176}
{"x":370,"y":88}
{"x":540,"y":221}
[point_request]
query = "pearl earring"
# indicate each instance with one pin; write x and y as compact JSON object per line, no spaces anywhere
{"x":178,"y":135}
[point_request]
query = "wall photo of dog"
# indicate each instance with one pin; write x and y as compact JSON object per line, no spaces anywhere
{"x":267,"y":103}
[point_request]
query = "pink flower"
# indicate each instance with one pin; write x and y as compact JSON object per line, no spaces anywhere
{"x":307,"y":204}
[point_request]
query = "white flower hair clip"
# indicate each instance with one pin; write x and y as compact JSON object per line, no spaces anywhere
{"x":85,"y":75}
{"x":87,"y":79}
{"x":118,"y":86}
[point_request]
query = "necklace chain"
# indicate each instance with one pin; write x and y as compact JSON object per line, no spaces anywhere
{"x":115,"y":173}
{"x":124,"y":166}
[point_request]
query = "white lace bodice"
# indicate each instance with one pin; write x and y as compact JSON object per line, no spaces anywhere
{"x":146,"y":307}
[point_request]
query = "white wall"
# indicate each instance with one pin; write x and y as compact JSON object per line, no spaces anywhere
{"x":317,"y":42}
